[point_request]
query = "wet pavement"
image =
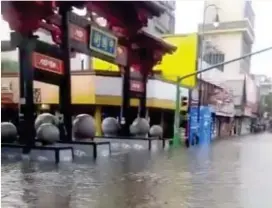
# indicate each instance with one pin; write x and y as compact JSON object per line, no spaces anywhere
{"x":229,"y":173}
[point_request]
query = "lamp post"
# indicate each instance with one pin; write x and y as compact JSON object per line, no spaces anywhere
{"x":202,"y":53}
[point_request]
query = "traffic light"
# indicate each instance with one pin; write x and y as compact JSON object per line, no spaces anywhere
{"x":184,"y":101}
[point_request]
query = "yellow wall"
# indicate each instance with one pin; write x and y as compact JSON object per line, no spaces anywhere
{"x":183,"y":61}
{"x":83,"y":92}
{"x":99,"y":64}
{"x":82,"y":89}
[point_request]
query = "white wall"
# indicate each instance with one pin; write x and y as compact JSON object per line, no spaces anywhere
{"x":213,"y":76}
{"x":231,"y":45}
{"x":155,"y":88}
{"x":251,"y":90}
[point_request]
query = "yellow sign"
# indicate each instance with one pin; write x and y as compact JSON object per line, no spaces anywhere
{"x":181,"y":62}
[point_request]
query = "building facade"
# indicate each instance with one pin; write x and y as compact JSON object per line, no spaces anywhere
{"x":236,"y":28}
{"x":233,"y":38}
{"x":165,"y":24}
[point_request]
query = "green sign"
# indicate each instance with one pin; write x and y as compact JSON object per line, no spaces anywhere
{"x":103,"y":42}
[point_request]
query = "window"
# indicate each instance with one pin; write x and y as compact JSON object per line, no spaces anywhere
{"x":215,"y":58}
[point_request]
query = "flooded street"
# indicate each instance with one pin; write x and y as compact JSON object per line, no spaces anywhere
{"x":229,"y":173}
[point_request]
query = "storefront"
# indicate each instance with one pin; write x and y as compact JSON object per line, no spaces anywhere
{"x":101,"y":95}
{"x":220,"y":100}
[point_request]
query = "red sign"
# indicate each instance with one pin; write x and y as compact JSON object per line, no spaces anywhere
{"x":136,"y":86}
{"x":47,"y":63}
{"x":6,"y":97}
{"x":78,"y":33}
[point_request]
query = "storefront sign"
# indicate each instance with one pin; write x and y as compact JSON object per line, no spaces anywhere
{"x":103,"y":42}
{"x":136,"y":86}
{"x":78,"y":33}
{"x":47,"y":63}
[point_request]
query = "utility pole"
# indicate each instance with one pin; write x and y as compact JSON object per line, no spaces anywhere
{"x":176,"y":139}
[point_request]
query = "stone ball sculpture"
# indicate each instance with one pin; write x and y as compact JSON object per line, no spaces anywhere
{"x":139,"y":127}
{"x":156,"y":131}
{"x":9,"y":132}
{"x":110,"y":126}
{"x":48,"y":133}
{"x":133,"y":129}
{"x":84,"y":127}
{"x":45,"y":118}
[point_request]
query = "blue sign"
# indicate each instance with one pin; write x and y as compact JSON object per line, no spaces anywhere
{"x":193,"y":123}
{"x":202,"y":129}
{"x":205,"y":124}
{"x":103,"y":42}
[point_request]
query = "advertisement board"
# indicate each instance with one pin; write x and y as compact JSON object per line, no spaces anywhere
{"x":205,"y":124}
{"x":193,"y":123}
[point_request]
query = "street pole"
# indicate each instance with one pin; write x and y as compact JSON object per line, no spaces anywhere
{"x":202,"y":53}
{"x":176,"y":138}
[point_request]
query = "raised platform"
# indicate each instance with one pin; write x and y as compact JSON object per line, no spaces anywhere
{"x":64,"y":151}
{"x":15,"y":152}
{"x":88,"y":149}
{"x":138,"y":144}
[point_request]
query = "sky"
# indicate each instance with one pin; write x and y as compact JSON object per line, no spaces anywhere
{"x":189,"y":13}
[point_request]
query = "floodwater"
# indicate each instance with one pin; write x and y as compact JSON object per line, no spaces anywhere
{"x":229,"y":173}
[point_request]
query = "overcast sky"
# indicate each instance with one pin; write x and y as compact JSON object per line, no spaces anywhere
{"x":189,"y":14}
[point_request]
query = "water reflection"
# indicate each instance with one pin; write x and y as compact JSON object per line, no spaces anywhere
{"x":233,"y":173}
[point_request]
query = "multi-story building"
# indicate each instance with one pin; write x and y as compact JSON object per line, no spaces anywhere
{"x":235,"y":34}
{"x":233,"y":38}
{"x":165,"y":24}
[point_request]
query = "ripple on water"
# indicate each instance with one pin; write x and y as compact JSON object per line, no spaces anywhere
{"x":225,"y":174}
